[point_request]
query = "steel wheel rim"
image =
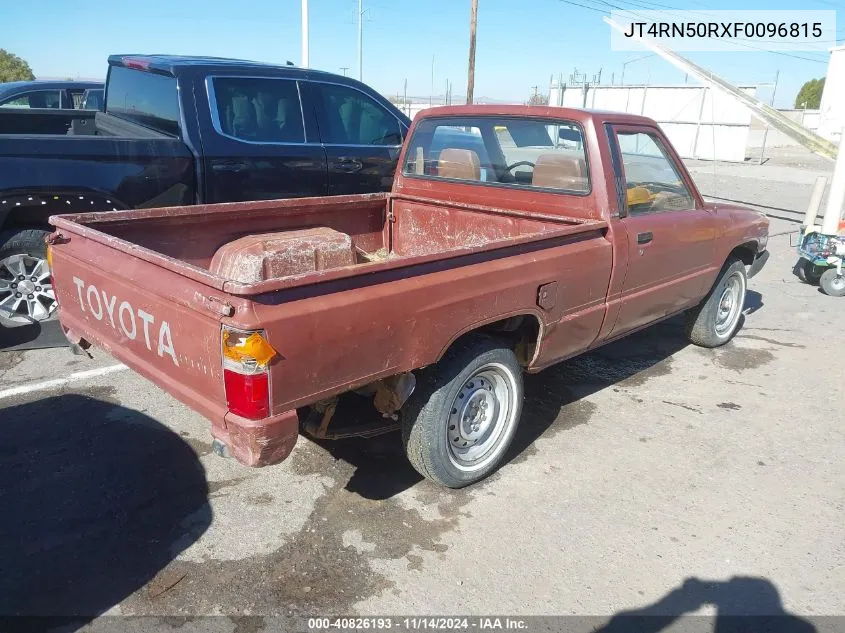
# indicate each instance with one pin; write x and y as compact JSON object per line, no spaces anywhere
{"x":26,"y":289}
{"x":838,"y":282}
{"x":730,"y":304}
{"x":481,"y":417}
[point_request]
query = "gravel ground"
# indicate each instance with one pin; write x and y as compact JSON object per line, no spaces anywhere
{"x":647,"y":474}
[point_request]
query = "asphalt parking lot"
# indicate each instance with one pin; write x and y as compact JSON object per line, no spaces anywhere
{"x":639,"y":470}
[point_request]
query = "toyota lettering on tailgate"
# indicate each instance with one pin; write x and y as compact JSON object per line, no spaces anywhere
{"x":101,"y":306}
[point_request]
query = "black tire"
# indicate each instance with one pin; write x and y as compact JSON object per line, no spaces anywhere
{"x":704,"y":326}
{"x":833,"y":283}
{"x":29,"y":243}
{"x":807,"y":272}
{"x":485,"y":376}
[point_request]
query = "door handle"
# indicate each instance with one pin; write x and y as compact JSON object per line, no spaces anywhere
{"x":644,"y":238}
{"x":350,"y":165}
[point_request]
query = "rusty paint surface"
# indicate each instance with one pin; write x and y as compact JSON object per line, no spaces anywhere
{"x":256,"y":258}
{"x":432,"y":261}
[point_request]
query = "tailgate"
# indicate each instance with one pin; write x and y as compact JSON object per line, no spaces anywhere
{"x":158,"y":322}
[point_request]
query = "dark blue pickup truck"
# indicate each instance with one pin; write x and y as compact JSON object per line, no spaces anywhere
{"x":182,"y":131}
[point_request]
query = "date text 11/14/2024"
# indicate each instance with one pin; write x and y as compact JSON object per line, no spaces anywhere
{"x":418,"y":623}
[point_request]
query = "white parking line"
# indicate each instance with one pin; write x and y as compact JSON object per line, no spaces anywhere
{"x":58,"y":382}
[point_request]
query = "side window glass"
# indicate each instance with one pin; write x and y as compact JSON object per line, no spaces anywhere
{"x":148,"y":99}
{"x":36,"y":99}
{"x":77,"y":96}
{"x":652,"y":181}
{"x":349,"y":117}
{"x":258,"y":110}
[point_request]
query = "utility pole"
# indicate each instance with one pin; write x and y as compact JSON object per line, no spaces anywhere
{"x":344,"y":69}
{"x":360,"y":40}
{"x":771,"y":105}
{"x":304,"y":60}
{"x":473,"y":19}
{"x":431,"y":92}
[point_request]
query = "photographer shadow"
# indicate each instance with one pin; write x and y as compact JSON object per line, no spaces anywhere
{"x":743,"y":604}
{"x":97,"y":499}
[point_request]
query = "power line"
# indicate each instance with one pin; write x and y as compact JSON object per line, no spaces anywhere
{"x":650,"y":6}
{"x":808,"y":59}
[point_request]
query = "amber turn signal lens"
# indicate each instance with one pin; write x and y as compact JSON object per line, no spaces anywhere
{"x":247,"y":348}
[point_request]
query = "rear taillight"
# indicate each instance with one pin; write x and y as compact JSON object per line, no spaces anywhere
{"x":247,"y":395}
{"x":246,"y":376}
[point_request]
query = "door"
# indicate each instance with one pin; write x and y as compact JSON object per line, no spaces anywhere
{"x":670,"y":236}
{"x":361,"y":137}
{"x":258,"y":145}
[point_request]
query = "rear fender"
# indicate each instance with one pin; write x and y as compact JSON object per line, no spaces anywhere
{"x":34,"y":207}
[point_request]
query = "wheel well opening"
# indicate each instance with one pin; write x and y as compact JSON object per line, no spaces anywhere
{"x":521,"y":333}
{"x":746,"y":252}
{"x":33,"y":209}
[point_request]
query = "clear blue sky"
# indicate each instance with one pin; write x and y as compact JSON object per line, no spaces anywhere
{"x":520,"y":43}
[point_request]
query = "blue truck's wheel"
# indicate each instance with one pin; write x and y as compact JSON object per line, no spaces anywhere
{"x":26,"y":287}
{"x":463,"y":414}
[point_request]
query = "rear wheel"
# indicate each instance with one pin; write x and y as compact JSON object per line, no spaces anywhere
{"x":715,"y":320}
{"x":462,"y":416}
{"x":26,"y":287}
{"x":808,"y":272}
{"x":833,"y":283}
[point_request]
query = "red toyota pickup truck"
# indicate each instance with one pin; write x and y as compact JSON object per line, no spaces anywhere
{"x":513,"y":238}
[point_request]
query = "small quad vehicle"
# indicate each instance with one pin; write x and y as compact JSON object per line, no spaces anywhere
{"x":820,"y":259}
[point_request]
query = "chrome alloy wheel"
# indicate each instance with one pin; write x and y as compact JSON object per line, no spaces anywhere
{"x":26,"y":289}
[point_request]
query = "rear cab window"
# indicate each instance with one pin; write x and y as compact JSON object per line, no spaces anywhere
{"x":145,"y":98}
{"x":34,"y":99}
{"x":502,"y":151}
{"x":257,"y":110}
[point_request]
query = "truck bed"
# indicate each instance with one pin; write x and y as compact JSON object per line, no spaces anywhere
{"x":387,"y":231}
{"x":43,"y":120}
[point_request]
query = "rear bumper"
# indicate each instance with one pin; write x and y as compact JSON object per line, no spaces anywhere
{"x":251,"y":442}
{"x":258,"y":442}
{"x":758,"y":264}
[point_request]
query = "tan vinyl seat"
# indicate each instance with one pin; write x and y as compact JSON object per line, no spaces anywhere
{"x":558,"y":171}
{"x":461,"y":164}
